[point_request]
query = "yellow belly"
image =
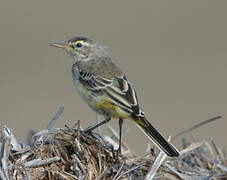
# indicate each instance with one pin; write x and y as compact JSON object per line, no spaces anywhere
{"x":114,"y":110}
{"x":101,"y":103}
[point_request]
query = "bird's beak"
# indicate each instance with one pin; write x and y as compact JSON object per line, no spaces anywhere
{"x":59,"y":45}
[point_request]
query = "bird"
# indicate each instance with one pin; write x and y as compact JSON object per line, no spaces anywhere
{"x":106,"y":89}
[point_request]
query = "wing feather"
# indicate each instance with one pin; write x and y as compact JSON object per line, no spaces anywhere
{"x":119,"y":89}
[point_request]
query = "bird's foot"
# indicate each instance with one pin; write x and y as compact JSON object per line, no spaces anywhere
{"x":117,"y":154}
{"x":89,"y":129}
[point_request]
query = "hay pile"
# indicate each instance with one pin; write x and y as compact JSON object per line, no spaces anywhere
{"x":70,"y":153}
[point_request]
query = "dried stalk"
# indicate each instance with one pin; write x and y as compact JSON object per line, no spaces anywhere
{"x":70,"y":153}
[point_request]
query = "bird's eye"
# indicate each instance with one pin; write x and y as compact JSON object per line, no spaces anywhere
{"x":78,"y":45}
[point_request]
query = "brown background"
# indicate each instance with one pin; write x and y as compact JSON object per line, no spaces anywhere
{"x":174,"y":52}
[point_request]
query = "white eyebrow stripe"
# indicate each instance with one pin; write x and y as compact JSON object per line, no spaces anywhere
{"x":82,"y":42}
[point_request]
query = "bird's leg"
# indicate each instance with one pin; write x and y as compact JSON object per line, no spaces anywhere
{"x":97,"y":121}
{"x":107,"y":119}
{"x":120,"y":134}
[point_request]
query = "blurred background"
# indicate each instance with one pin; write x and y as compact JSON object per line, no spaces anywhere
{"x":174,"y":52}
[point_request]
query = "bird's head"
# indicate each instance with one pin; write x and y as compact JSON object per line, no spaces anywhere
{"x":78,"y":47}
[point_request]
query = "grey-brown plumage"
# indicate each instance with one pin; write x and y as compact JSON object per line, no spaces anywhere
{"x":105,"y":88}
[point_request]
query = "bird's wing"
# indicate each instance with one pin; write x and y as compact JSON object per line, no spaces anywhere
{"x":118,"y":89}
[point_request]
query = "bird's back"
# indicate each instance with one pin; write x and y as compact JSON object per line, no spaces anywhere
{"x":99,"y":66}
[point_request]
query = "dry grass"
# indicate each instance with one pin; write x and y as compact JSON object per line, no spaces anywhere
{"x":70,"y":153}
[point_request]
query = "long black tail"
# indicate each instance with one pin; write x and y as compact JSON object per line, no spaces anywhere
{"x":156,"y":137}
